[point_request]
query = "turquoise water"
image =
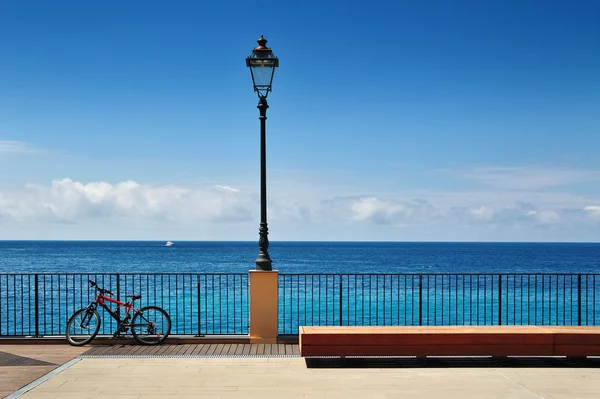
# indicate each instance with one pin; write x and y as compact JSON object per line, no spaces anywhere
{"x":204,"y":285}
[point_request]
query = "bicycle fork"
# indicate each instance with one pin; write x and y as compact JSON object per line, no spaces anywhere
{"x":85,"y":321}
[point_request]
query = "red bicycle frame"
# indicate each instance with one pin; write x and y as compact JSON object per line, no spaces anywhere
{"x":100,"y":298}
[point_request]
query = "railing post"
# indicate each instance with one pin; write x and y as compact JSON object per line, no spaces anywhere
{"x":420,"y":299}
{"x":198,"y":304}
{"x":37,"y":305}
{"x":499,"y":299}
{"x":341,"y":301}
{"x":118,"y":287}
{"x":579,"y":299}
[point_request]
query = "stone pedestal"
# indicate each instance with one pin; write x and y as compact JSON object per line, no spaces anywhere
{"x":263,"y":306}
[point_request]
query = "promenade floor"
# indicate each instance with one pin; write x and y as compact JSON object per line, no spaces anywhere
{"x":21,"y":364}
{"x":179,"y":372}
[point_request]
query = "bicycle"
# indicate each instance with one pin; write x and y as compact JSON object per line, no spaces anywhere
{"x":149,"y":325}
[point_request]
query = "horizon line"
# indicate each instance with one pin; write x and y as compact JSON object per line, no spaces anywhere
{"x":309,"y":241}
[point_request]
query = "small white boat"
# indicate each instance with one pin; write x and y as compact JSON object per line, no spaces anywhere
{"x":169,"y":244}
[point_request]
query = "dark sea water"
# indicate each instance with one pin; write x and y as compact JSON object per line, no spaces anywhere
{"x":298,"y":257}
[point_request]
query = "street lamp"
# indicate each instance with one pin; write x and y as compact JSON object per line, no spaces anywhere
{"x":262,"y":64}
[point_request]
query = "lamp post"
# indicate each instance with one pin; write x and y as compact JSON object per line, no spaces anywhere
{"x":262,"y":64}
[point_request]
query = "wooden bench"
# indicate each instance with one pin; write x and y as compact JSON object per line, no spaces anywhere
{"x":450,"y":341}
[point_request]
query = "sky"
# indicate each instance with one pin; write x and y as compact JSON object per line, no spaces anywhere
{"x":389,"y":120}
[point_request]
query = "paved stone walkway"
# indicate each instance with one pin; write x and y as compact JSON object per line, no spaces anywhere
{"x":291,"y":378}
{"x":21,"y":364}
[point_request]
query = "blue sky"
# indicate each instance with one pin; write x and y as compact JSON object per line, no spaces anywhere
{"x":392,"y":121}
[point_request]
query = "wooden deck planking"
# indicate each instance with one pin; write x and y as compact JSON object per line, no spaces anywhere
{"x":205,"y":349}
{"x":289,"y":349}
{"x":173,"y":350}
{"x":246,"y":350}
{"x":94,"y":350}
{"x":152,"y":350}
{"x":162,"y":349}
{"x":182,"y":350}
{"x":140,"y":349}
{"x":240,"y":349}
{"x":189,"y":349}
{"x":195,"y":350}
{"x":210,"y":350}
{"x":122,"y":349}
{"x":296,"y":350}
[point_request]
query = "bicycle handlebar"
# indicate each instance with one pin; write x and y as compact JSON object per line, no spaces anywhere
{"x":102,"y":290}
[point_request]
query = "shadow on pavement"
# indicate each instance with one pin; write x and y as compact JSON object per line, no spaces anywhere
{"x":453,"y":362}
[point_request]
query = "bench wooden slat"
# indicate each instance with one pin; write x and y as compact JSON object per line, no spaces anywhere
{"x":424,"y":350}
{"x":417,"y":330}
{"x":425,"y":339}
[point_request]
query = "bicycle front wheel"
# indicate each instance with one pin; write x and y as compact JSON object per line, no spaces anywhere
{"x":151,"y":325}
{"x":83,"y":326}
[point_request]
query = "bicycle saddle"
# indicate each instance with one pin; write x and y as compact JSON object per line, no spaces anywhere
{"x":133,"y":296}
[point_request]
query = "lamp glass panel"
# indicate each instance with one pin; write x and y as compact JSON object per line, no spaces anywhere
{"x":262,"y":75}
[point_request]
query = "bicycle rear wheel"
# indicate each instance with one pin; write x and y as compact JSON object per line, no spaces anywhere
{"x":151,"y":325}
{"x":83,"y":326}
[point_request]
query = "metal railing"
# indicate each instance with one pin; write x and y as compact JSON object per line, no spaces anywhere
{"x":437,"y":299}
{"x":199,"y":304}
{"x":218,"y":304}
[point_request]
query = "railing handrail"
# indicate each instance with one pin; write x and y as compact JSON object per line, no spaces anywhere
{"x":292,"y":274}
{"x":440,"y":274}
{"x":121,"y":274}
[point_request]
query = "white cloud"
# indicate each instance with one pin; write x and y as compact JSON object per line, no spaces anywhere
{"x":456,"y":212}
{"x":227,"y":188}
{"x":593,"y":211}
{"x":375,"y":210}
{"x":130,"y":203}
{"x":526,"y":177}
{"x":289,"y":210}
{"x":17,"y":147}
{"x":509,"y":214}
{"x":481,"y":212}
{"x":548,"y":217}
{"x":70,"y":201}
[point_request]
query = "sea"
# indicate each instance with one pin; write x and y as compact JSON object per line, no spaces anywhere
{"x":204,"y":285}
{"x":297,"y":257}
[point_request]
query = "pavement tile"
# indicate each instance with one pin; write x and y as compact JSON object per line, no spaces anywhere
{"x":289,"y":378}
